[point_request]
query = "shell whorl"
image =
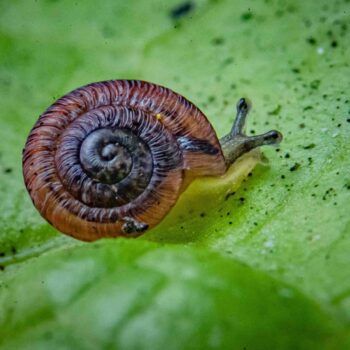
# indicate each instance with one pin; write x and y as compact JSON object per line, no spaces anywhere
{"x":110,"y":158}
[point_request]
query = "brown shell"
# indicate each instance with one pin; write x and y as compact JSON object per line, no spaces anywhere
{"x":182,"y":141}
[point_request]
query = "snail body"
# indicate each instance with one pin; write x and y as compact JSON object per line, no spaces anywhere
{"x":111,"y":158}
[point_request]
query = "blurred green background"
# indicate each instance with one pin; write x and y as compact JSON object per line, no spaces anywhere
{"x":265,"y":268}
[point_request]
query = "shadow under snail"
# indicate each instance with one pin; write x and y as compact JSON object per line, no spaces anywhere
{"x":111,"y":158}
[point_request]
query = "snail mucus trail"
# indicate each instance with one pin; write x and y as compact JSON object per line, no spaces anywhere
{"x":111,"y":158}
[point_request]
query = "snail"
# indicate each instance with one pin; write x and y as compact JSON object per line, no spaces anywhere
{"x":111,"y":158}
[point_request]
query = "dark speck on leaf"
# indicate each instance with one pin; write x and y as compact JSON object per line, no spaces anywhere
{"x":310,"y":146}
{"x":334,"y":43}
{"x":227,"y":61}
{"x":202,"y":215}
{"x":13,"y":250}
{"x":275,"y":111}
{"x":181,"y":10}
{"x":2,"y":254}
{"x":315,"y":84}
{"x":307,"y":108}
{"x":296,"y":70}
{"x":8,"y":170}
{"x":348,"y":120}
{"x":246,"y":16}
{"x":295,"y":167}
{"x":218,"y":41}
{"x":211,"y":99}
{"x":311,"y":41}
{"x":329,"y":193}
{"x":229,"y":195}
{"x":2,"y":267}
{"x":301,"y":125}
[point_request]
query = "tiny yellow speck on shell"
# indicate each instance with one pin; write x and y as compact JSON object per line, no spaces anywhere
{"x":159,"y":116}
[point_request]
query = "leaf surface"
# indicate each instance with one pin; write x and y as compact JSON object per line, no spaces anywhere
{"x":258,"y":261}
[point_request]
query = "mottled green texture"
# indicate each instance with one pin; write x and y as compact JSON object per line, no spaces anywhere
{"x":153,"y":298}
{"x":266,"y":267}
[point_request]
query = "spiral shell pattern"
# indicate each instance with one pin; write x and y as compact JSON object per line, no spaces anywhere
{"x":111,"y":158}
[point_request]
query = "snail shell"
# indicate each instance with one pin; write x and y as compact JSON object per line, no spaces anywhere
{"x":111,"y":158}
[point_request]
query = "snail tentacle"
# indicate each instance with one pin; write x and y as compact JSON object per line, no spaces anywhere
{"x":237,"y":143}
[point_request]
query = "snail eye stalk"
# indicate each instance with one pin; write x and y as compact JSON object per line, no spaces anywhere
{"x":237,"y":143}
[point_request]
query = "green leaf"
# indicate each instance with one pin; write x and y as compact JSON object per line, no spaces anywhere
{"x":256,"y":264}
{"x":133,"y":294}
